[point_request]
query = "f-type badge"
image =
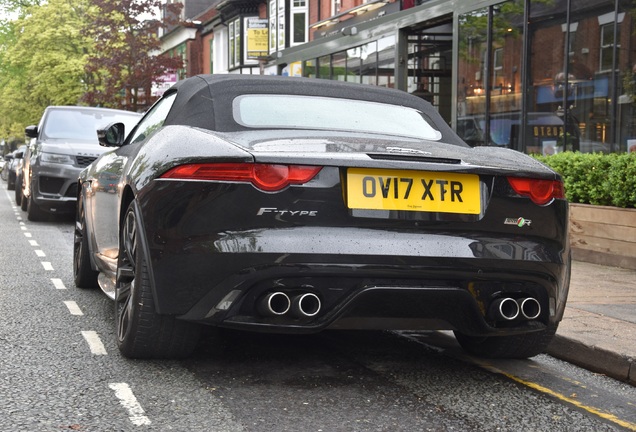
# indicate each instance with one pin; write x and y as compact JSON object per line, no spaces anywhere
{"x":520,"y":222}
{"x":283,"y":212}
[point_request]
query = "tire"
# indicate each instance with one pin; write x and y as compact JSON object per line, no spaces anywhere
{"x":83,"y":273}
{"x":34,"y":212}
{"x":23,"y":202}
{"x":141,"y":331}
{"x":11,"y":182}
{"x":519,"y":346}
{"x":18,"y":191}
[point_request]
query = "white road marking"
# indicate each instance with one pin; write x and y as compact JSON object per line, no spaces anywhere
{"x":129,"y":401}
{"x":47,"y":265}
{"x":23,"y":228}
{"x":73,"y":308}
{"x":33,"y":243}
{"x":40,"y":253}
{"x":57,"y":283}
{"x":26,"y":234}
{"x":94,"y":342}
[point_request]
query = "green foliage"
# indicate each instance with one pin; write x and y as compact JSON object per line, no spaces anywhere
{"x":42,"y":63}
{"x":596,"y":178}
{"x":73,"y":52}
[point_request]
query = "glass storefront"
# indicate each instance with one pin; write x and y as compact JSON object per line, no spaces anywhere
{"x":575,"y":61}
{"x":537,"y":76}
{"x":372,"y":63}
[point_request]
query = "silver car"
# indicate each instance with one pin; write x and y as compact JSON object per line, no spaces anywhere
{"x":62,"y":144}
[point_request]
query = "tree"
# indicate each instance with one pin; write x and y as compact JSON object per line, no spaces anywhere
{"x":123,"y":66}
{"x":42,"y":64}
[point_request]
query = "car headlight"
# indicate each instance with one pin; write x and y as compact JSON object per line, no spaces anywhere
{"x":55,"y":158}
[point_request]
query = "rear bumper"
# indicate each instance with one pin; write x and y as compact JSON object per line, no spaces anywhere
{"x":444,"y":294}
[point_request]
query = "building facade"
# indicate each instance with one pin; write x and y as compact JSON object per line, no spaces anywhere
{"x":538,"y":76}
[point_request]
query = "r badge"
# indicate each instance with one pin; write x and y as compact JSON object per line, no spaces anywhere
{"x":520,"y":222}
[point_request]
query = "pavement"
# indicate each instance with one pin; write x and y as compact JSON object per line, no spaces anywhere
{"x":598,"y":331}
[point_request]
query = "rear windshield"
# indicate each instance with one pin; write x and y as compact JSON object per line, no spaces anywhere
{"x":83,"y":124}
{"x":334,"y":114}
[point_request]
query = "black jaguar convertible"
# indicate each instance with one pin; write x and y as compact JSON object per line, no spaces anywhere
{"x":291,"y":205}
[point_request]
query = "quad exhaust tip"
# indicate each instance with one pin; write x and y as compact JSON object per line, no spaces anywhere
{"x":530,"y":308}
{"x":508,"y":309}
{"x":274,"y":304}
{"x":505,"y":309}
{"x":305,"y":305}
{"x":278,"y":303}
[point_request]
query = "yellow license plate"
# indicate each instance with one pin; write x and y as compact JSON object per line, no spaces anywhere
{"x":376,"y":189}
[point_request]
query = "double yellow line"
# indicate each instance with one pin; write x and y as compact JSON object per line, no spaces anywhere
{"x":607,"y":416}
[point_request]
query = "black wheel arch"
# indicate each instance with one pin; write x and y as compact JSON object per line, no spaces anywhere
{"x":128,"y":199}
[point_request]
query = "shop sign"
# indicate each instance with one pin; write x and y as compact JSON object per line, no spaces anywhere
{"x":163,"y":83}
{"x":256,"y":38}
{"x":550,"y":131}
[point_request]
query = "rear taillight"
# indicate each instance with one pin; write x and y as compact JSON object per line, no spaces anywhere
{"x":267,"y":177}
{"x":541,"y":192}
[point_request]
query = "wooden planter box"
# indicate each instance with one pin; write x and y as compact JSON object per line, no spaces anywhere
{"x":603,"y":235}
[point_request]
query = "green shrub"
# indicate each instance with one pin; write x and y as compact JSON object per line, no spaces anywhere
{"x":596,"y":178}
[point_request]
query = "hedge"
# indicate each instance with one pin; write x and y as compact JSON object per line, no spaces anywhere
{"x":596,"y":178}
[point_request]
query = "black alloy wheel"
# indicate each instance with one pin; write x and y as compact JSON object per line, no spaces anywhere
{"x":34,"y":212}
{"x":141,"y":331}
{"x":23,"y":201}
{"x":18,"y":190}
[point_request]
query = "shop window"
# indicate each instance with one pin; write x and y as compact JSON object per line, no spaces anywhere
{"x":489,"y":78}
{"x":369,"y":59}
{"x":354,"y":64}
{"x":339,"y":66}
{"x":386,"y":62}
{"x":324,"y":67}
{"x":309,"y":69}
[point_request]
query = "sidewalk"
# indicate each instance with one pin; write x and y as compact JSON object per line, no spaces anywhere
{"x":598,"y":331}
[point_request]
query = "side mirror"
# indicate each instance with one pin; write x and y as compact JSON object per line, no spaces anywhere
{"x":31,"y":131}
{"x":112,"y":136}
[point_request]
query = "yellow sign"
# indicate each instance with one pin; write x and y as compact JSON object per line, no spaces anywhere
{"x":442,"y":192}
{"x":257,"y":42}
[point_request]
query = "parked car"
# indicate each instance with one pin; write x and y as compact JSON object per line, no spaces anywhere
{"x":18,"y":177}
{"x":64,"y":142}
{"x":274,"y":204}
{"x":14,"y":161}
{"x":4,"y":171}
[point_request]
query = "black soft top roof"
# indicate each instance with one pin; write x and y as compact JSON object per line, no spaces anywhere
{"x":205,"y":101}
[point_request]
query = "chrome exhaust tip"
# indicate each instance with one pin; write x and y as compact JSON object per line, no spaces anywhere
{"x":305,"y":305}
{"x":504,"y":309}
{"x":530,"y":308}
{"x":274,"y":304}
